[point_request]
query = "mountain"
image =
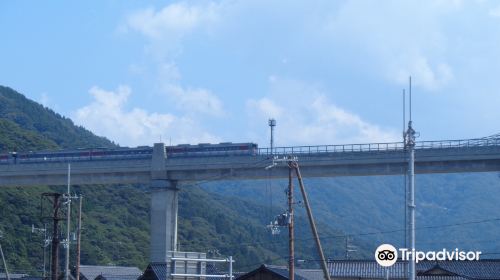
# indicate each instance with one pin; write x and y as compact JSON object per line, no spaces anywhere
{"x":229,"y":217}
{"x":116,"y":218}
{"x":52,"y":127}
{"x":452,"y":210}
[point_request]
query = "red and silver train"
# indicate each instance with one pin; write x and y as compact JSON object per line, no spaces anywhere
{"x":183,"y":150}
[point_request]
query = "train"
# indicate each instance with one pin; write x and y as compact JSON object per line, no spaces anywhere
{"x":206,"y":149}
{"x":141,"y":152}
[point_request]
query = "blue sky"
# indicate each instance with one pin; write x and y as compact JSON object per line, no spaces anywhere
{"x":330,"y":72}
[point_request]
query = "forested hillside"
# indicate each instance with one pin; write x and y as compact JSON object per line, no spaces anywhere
{"x":116,"y":218}
{"x":52,"y":127}
{"x":453,"y":210}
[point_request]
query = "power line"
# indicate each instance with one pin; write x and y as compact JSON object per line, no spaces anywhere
{"x":367,"y":233}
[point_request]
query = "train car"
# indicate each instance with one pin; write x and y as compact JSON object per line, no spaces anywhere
{"x":4,"y":159}
{"x":143,"y":152}
{"x":78,"y":155}
{"x":205,"y":149}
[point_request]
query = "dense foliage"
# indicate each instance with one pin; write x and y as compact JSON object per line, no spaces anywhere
{"x":116,"y":218}
{"x":459,"y":210}
{"x":32,"y":116}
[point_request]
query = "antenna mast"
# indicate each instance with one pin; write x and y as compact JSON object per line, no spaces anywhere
{"x":404,"y":116}
{"x":272,"y":124}
{"x":410,"y":147}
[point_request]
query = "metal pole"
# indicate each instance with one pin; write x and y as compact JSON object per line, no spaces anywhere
{"x":291,"y":260}
{"x":79,"y":235}
{"x":411,"y":208}
{"x":326,"y":274}
{"x":44,"y":249}
{"x":230,"y":268}
{"x":272,"y":124}
{"x":68,"y":220}
{"x":405,"y":206}
{"x":346,"y":248}
{"x":4,"y":263}
{"x":410,"y":145}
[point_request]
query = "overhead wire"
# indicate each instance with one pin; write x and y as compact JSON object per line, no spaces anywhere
{"x":368,"y":233}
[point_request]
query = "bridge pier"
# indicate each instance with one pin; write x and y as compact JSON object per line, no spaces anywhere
{"x":164,"y":205}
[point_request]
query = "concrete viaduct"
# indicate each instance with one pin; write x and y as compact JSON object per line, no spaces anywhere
{"x":165,"y":174}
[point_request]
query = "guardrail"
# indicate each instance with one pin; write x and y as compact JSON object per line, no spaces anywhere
{"x":380,"y":147}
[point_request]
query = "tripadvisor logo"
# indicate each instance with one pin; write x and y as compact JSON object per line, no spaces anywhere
{"x":387,"y":255}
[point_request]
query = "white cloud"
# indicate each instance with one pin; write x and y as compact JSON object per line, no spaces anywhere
{"x":165,"y":29}
{"x":428,"y":76}
{"x":44,"y":99}
{"x":173,"y":20}
{"x":495,"y":12}
{"x":195,"y":101}
{"x":305,"y":115}
{"x":407,"y":38}
{"x":265,"y":107}
{"x":107,"y":116}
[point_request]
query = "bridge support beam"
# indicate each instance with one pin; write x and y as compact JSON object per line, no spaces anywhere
{"x":164,"y":205}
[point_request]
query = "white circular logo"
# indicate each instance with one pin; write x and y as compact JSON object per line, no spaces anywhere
{"x":386,"y":255}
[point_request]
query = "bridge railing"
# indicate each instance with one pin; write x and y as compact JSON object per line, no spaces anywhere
{"x":379,"y":147}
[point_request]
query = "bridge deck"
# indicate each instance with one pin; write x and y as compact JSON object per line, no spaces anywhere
{"x":315,"y":161}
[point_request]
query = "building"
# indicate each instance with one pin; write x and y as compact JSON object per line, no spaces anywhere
{"x":370,"y":270}
{"x":426,"y":270}
{"x":177,"y":266}
{"x":98,"y":272}
{"x":12,"y":276}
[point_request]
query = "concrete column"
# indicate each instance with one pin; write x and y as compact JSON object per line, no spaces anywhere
{"x":164,"y":205}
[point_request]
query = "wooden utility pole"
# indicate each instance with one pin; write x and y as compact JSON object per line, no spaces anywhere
{"x":326,"y":274}
{"x":79,"y":235}
{"x":291,"y":260}
{"x":56,"y":206}
{"x":55,"y":236}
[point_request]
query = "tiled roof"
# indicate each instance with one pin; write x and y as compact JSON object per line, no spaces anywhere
{"x":426,"y":270}
{"x":13,"y":275}
{"x":110,"y":272}
{"x":483,"y":269}
{"x":366,"y":269}
{"x":310,"y":274}
{"x":159,"y":269}
{"x":441,"y":277}
{"x":283,"y":271}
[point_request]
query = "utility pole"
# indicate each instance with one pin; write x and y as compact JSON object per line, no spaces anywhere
{"x":68,"y":220}
{"x":293,"y":165}
{"x":326,"y":274}
{"x":291,"y":260}
{"x":410,"y":147}
{"x":79,"y":235}
{"x":348,"y":248}
{"x":3,"y":260}
{"x":56,"y":206}
{"x":272,"y":124}
{"x":46,"y":242}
